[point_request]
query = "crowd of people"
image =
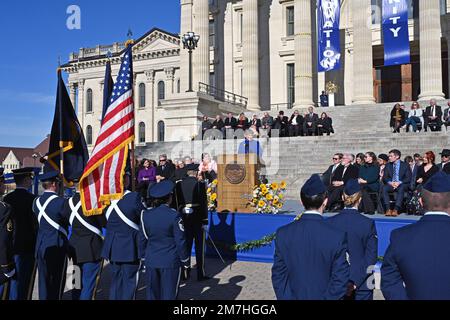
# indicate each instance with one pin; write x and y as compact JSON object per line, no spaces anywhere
{"x":433,"y":118}
{"x":382,"y":177}
{"x":308,"y":124}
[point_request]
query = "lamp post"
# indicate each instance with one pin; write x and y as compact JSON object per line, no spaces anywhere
{"x":190,"y":41}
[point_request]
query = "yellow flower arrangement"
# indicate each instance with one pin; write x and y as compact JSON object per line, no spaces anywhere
{"x":211,"y":193}
{"x":209,"y":190}
{"x":267,"y":198}
{"x":214,"y":196}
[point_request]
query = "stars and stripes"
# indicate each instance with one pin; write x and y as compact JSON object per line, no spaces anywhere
{"x":102,"y":180}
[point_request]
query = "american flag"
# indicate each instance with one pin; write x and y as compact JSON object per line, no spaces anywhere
{"x":102,"y":179}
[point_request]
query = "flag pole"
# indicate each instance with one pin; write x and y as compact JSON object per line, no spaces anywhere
{"x":61,"y":144}
{"x":130,"y":42}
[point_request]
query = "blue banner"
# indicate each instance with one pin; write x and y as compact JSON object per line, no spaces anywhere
{"x":395,"y":32}
{"x":329,"y":46}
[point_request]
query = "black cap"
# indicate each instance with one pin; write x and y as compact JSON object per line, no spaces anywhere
{"x":23,"y":172}
{"x":49,"y":176}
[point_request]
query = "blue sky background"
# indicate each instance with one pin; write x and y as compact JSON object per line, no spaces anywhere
{"x":34,"y":34}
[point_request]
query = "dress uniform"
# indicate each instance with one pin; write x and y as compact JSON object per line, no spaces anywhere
{"x":192,"y":203}
{"x":362,"y":243}
{"x":7,"y":269}
{"x":416,"y":263}
{"x":25,"y":232}
{"x":51,"y":243}
{"x":86,"y":242}
{"x":310,"y":255}
{"x":122,"y":245}
{"x":166,"y":253}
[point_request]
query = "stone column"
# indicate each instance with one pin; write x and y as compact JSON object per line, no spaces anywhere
{"x":170,"y":73}
{"x":150,"y":96}
{"x":186,"y":26}
{"x":303,"y":54}
{"x":250,"y":54}
{"x":201,"y":53}
{"x":430,"y":50}
{"x":406,"y":71}
{"x":73,"y":93}
{"x":81,"y":102}
{"x":362,"y":53}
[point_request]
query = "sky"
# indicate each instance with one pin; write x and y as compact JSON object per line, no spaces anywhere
{"x":34,"y":35}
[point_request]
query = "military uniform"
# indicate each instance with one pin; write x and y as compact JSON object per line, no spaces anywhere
{"x":193,"y":205}
{"x":24,"y":238}
{"x":86,"y":242}
{"x":7,"y":270}
{"x":166,"y":253}
{"x":416,"y":262}
{"x":122,"y":245}
{"x":51,"y":243}
{"x":362,"y":243}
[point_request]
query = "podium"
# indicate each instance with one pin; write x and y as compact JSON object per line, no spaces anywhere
{"x":237,"y":175}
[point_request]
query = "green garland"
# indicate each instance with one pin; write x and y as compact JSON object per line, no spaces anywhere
{"x":254,"y":244}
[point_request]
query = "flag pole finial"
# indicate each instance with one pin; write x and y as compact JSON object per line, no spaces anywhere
{"x":58,"y":69}
{"x":130,"y":41}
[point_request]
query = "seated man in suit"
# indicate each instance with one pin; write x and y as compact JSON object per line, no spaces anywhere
{"x":343,"y":173}
{"x":281,"y":124}
{"x":433,"y":116}
{"x":397,"y":179}
{"x":296,"y":124}
{"x":328,"y":174}
{"x":165,"y":170}
{"x":445,"y":163}
{"x":310,"y":123}
{"x":415,"y":265}
{"x":310,"y":255}
{"x":229,"y":125}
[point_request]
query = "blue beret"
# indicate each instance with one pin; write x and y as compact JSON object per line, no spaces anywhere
{"x":313,"y":186}
{"x":49,"y":176}
{"x":161,"y":189}
{"x":351,"y":187}
{"x":438,"y":183}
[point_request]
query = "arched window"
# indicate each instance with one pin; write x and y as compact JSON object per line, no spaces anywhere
{"x":141,"y":134}
{"x":161,"y":90}
{"x":89,"y":102}
{"x":89,"y":135}
{"x":178,"y":86}
{"x":142,"y":95}
{"x":160,"y":131}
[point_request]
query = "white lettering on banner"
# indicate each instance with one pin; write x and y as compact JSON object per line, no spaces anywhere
{"x":395,"y":19}
{"x":395,"y":31}
{"x":329,"y":56}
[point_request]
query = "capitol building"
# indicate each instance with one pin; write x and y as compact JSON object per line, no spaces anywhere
{"x":258,"y":55}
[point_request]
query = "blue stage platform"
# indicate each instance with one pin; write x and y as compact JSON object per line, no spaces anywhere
{"x":232,"y":228}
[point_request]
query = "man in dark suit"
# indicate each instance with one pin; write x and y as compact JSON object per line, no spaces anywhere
{"x":230,"y":124}
{"x":415,"y":265}
{"x":281,"y":123}
{"x":397,"y":179}
{"x":362,"y":241}
{"x":25,"y":232}
{"x":342,"y":174}
{"x":328,"y":174}
{"x":445,"y":163}
{"x":433,"y":116}
{"x":324,"y":99}
{"x":310,"y":123}
{"x":256,"y":123}
{"x":165,"y":170}
{"x":296,"y":124}
{"x":218,"y":123}
{"x":310,"y":255}
{"x":86,"y":242}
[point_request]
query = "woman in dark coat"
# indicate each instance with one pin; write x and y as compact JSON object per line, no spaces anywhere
{"x":325,"y":124}
{"x":397,"y":118}
{"x":369,"y":180}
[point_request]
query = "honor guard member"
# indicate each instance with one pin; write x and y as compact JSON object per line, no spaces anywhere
{"x":166,"y":253}
{"x":192,"y":203}
{"x":7,"y":268}
{"x":86,"y":242}
{"x":416,"y":263}
{"x":25,"y":232}
{"x":122,"y":243}
{"x":310,"y":255}
{"x":51,"y":243}
{"x":362,"y":242}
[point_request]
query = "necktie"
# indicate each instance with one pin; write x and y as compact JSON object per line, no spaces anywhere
{"x":247,"y":147}
{"x":396,"y":172}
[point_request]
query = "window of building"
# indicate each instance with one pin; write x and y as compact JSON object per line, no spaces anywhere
{"x":142,"y":95}
{"x":178,"y":86}
{"x":89,"y":135}
{"x":141,"y":132}
{"x":89,"y":100}
{"x":443,"y":7}
{"x":161,"y":90}
{"x":212,"y":33}
{"x":289,"y":21}
{"x":161,"y":131}
{"x":290,"y":84}
{"x":212,"y":79}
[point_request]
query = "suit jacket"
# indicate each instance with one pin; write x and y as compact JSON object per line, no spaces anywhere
{"x":311,"y":118}
{"x":404,"y":173}
{"x":165,"y":244}
{"x":242,"y":123}
{"x":362,"y":243}
{"x":230,"y":122}
{"x":24,"y":219}
{"x":299,"y":119}
{"x":267,"y":121}
{"x":206,"y":125}
{"x":48,"y":236}
{"x":418,"y":256}
{"x":310,"y":261}
{"x":414,"y":176}
{"x":280,"y":122}
{"x":85,"y":245}
{"x":218,"y":124}
{"x":446,"y":115}
{"x":168,"y":172}
{"x":122,"y":242}
{"x":438,"y":112}
{"x":352,"y":172}
{"x":446,"y":168}
{"x":328,"y":174}
{"x":255,"y":122}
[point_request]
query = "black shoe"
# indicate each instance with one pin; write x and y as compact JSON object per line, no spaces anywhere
{"x":203,"y":278}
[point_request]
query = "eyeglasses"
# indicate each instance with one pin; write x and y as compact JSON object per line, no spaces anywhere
{"x":335,"y":158}
{"x":162,"y":160}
